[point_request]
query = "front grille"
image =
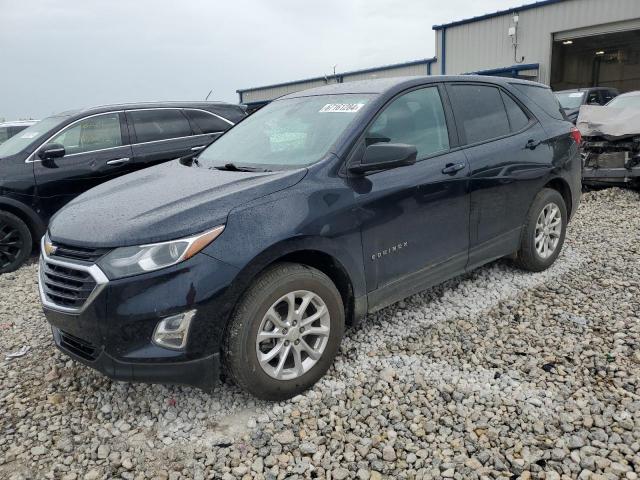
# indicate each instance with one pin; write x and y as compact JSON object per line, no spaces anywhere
{"x":65,"y":286}
{"x":79,"y":253}
{"x":77,"y":346}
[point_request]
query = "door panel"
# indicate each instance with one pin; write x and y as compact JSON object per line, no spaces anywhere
{"x":505,"y":176}
{"x":61,"y":180}
{"x":96,"y":151}
{"x":508,"y":156}
{"x":163,"y":134}
{"x":414,"y":219}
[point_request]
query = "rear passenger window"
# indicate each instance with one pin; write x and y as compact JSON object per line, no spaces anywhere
{"x":607,"y":95}
{"x":480,"y":112}
{"x":416,"y":118}
{"x":543,"y":98}
{"x":206,"y":122}
{"x":593,"y":98}
{"x":160,"y":124}
{"x":517,"y":118}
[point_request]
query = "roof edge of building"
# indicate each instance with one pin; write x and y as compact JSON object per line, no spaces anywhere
{"x":499,"y":13}
{"x":342,"y":74}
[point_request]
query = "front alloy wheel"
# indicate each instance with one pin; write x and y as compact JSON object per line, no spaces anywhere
{"x":284,"y":332}
{"x":293,"y":335}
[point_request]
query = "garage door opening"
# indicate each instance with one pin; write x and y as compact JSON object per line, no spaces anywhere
{"x":604,"y":60}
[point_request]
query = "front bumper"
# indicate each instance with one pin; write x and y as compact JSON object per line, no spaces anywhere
{"x":112,"y":331}
{"x":202,"y":373}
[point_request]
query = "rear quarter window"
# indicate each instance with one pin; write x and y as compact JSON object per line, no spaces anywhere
{"x":206,"y":122}
{"x":543,"y":97}
{"x":480,"y":111}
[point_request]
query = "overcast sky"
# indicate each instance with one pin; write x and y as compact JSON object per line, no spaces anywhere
{"x":57,"y":55}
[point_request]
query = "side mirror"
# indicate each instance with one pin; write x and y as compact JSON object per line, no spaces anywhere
{"x":51,"y":151}
{"x":384,"y":156}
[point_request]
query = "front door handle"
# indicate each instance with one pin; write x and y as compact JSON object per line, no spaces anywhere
{"x":532,"y":144}
{"x":118,"y":161}
{"x":199,"y":147}
{"x":452,"y":168}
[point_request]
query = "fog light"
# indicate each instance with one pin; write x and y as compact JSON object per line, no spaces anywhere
{"x":172,"y":332}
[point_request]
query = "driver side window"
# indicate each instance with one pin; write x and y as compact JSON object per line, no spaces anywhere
{"x":93,"y":133}
{"x":415,"y":118}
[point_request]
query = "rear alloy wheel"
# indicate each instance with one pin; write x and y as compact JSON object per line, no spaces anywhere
{"x":15,"y":242}
{"x":544,"y":231}
{"x":284,"y":333}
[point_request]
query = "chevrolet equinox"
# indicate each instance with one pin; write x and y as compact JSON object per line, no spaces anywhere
{"x":247,"y":261}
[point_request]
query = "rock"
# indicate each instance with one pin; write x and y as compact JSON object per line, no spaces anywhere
{"x":38,"y":450}
{"x":308,"y":448}
{"x":285,"y":437}
{"x":339,"y":473}
{"x":92,"y":474}
{"x":388,"y":453}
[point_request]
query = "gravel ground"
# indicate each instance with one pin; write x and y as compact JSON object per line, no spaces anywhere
{"x":497,"y":374}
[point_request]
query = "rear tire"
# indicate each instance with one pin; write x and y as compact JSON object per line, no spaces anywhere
{"x":16,"y":242}
{"x":284,"y":333}
{"x":544,"y":232}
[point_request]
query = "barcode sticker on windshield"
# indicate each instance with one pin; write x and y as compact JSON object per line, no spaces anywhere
{"x":341,"y":107}
{"x":574,"y":95}
{"x":29,"y":135}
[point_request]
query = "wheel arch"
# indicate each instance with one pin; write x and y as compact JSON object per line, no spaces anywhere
{"x":310,"y":253}
{"x":560,"y":185}
{"x":35,"y":224}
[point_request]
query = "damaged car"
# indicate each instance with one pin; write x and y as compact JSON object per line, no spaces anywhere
{"x":611,"y":142}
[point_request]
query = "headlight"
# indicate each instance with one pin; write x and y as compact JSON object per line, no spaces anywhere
{"x":127,"y":261}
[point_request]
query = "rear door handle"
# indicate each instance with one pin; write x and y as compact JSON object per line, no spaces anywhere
{"x":451,"y":168}
{"x":532,"y":144}
{"x":118,"y":161}
{"x":199,"y":147}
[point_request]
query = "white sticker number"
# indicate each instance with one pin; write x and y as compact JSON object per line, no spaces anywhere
{"x":341,"y":107}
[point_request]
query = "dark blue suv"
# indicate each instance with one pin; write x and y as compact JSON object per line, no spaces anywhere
{"x":248,"y":261}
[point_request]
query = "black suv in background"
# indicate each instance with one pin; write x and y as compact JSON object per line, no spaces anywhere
{"x":322,"y":206}
{"x":55,"y":160}
{"x":572,"y":100}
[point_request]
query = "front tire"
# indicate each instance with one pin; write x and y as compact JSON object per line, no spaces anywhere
{"x":16,"y":242}
{"x":285,"y":332}
{"x":544,"y":232}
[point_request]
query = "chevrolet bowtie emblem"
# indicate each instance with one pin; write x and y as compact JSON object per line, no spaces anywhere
{"x":50,"y":248}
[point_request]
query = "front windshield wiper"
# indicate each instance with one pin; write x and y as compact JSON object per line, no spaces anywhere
{"x":232,"y":167}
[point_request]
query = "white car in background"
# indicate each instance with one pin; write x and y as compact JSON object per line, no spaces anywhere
{"x":611,"y":141}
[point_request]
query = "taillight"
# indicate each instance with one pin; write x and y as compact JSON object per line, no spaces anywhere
{"x":576,"y":135}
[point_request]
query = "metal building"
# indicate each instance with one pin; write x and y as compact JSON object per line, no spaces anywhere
{"x":259,"y":96}
{"x":562,"y":43}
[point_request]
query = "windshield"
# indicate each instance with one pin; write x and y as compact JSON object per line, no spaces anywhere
{"x":26,"y":137}
{"x":625,"y":101}
{"x":285,"y":134}
{"x":570,"y":100}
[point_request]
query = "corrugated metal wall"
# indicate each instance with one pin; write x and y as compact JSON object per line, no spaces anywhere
{"x":409,"y":70}
{"x":267,"y":93}
{"x":485,"y":44}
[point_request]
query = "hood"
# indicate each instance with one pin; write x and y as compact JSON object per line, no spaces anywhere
{"x":608,"y":122}
{"x":161,"y":203}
